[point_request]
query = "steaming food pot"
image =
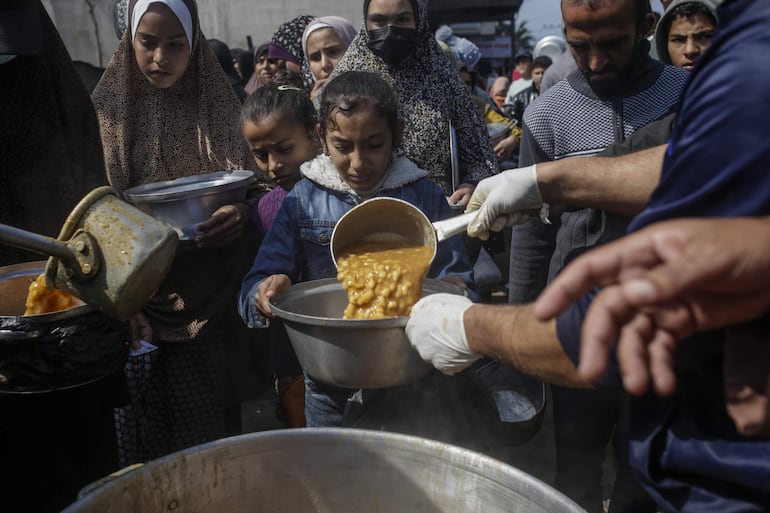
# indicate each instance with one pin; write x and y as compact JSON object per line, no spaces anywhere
{"x":325,"y":470}
{"x":53,"y":350}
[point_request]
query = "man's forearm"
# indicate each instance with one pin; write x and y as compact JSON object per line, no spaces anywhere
{"x":510,"y":334}
{"x":621,"y":185}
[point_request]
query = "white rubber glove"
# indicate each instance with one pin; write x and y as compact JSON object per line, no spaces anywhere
{"x":503,"y":200}
{"x":435,"y":329}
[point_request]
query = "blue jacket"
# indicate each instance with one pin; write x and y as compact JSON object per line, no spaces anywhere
{"x":298,"y":244}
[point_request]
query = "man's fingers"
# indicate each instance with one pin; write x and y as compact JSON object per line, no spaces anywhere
{"x":661,"y":351}
{"x":633,"y":354}
{"x":601,"y":328}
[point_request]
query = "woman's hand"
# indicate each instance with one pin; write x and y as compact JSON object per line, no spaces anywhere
{"x":140,"y":330}
{"x":462,"y":195}
{"x":319,"y":84}
{"x":224,"y":226}
{"x":269,"y":288}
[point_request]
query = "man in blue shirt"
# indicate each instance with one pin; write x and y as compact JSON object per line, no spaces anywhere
{"x":685,"y":448}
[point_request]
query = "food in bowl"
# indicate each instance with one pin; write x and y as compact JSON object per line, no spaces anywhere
{"x":383,"y":278}
{"x":42,"y":300}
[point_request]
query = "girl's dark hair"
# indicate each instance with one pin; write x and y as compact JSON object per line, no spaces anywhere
{"x":351,"y":91}
{"x":285,"y":98}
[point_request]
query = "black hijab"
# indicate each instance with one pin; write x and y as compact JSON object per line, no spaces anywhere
{"x":52,"y":153}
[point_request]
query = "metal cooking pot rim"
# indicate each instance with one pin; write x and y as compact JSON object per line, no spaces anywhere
{"x":309,"y":287}
{"x":189,"y":186}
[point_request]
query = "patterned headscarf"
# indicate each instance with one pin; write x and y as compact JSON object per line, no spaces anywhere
{"x":289,"y":37}
{"x":430,"y":95}
{"x":151,"y":134}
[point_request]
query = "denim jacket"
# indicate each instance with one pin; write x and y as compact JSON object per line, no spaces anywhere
{"x":298,"y":243}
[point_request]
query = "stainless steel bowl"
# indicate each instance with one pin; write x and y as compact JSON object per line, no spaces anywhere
{"x":186,"y":202}
{"x":347,"y":352}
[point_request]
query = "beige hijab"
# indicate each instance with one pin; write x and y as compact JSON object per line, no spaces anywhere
{"x":151,"y":134}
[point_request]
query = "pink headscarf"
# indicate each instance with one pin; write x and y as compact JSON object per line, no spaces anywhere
{"x":344,"y":29}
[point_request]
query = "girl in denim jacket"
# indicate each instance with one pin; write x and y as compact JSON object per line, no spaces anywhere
{"x":359,"y":129}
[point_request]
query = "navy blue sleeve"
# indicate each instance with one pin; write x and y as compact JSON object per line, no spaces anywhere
{"x":280,"y":253}
{"x":568,"y":328}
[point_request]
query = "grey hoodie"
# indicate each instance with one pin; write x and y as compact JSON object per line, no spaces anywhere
{"x":664,"y":24}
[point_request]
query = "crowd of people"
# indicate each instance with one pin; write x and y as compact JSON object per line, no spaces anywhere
{"x":652,"y":343}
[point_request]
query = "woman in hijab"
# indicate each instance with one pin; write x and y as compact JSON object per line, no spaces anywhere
{"x":324,"y":42}
{"x":225,"y":58}
{"x":288,"y":36}
{"x":55,"y":441}
{"x":265,"y":67}
{"x":167,"y":110}
{"x":243,"y":60}
{"x":396,"y":42}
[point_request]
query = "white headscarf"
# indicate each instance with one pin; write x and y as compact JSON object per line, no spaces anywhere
{"x":179,"y":9}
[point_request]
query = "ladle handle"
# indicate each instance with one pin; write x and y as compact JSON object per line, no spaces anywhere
{"x":452,"y":226}
{"x":38,"y":243}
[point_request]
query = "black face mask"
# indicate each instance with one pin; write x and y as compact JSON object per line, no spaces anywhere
{"x":393,"y":44}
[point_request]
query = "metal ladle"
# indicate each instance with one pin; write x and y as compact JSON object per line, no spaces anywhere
{"x":109,"y":254}
{"x":392,"y":218}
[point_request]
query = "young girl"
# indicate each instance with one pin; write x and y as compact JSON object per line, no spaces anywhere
{"x":279,"y":122}
{"x":166,"y":110}
{"x":359,"y":130}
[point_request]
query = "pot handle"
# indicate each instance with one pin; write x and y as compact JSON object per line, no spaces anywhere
{"x":452,"y":226}
{"x":79,"y":254}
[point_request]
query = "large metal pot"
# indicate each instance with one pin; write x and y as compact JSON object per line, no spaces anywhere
{"x":349,"y":353}
{"x":55,"y":350}
{"x":61,"y":376}
{"x":325,"y":471}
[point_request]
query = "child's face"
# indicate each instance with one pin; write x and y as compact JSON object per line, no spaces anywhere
{"x":324,"y":50}
{"x":280,"y":147}
{"x":360,"y":147}
{"x":160,"y":46}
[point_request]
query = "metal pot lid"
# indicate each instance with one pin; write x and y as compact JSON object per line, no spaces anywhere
{"x":190,"y":186}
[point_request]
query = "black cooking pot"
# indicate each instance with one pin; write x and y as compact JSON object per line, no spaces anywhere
{"x":65,"y":375}
{"x":54,"y":350}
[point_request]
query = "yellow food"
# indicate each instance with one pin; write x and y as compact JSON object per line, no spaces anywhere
{"x":41,"y":299}
{"x":383,"y":278}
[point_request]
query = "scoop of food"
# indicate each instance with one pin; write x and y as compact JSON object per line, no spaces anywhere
{"x":41,"y":299}
{"x":383,"y":278}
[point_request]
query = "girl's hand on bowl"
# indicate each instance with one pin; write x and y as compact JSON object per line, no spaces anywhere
{"x":224,"y":226}
{"x":269,"y":288}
